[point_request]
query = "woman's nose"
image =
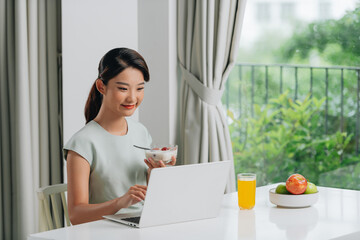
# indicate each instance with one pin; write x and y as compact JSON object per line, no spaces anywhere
{"x":131,"y":97}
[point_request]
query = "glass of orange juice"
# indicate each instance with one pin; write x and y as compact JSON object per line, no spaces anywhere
{"x":246,"y":190}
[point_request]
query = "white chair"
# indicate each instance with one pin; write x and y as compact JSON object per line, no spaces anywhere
{"x":45,"y":216}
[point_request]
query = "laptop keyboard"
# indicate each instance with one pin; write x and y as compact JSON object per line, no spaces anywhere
{"x":133,"y":219}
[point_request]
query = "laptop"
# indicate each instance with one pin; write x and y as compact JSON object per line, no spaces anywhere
{"x":179,"y":194}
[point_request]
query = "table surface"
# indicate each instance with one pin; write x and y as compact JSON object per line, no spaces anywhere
{"x":336,"y":215}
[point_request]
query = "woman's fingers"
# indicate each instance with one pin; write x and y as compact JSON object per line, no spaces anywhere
{"x":138,"y":196}
{"x":138,"y":188}
{"x":161,"y":164}
{"x":134,"y":195}
{"x":148,"y":163}
{"x":141,"y":186}
{"x":151,"y":163}
{"x":173,"y":161}
{"x":135,"y":198}
{"x":138,"y":192}
{"x":155,"y":164}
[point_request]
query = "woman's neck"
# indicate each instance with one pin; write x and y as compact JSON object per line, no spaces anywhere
{"x":114,"y":125}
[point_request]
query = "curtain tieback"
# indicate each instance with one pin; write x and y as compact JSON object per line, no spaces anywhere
{"x":208,"y":95}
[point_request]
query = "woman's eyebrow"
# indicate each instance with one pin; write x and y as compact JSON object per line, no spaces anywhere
{"x":122,"y":83}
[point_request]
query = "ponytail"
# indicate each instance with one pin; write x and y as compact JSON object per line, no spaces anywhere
{"x":93,"y":103}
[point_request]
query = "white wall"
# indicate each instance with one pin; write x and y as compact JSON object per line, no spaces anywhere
{"x":90,"y":28}
{"x":157,"y":43}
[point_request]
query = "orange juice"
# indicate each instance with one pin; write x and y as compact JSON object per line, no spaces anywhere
{"x":246,"y":191}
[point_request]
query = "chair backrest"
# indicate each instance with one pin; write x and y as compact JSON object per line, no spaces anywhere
{"x":52,"y":192}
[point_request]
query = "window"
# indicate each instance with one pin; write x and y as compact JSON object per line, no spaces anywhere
{"x":293,"y":98}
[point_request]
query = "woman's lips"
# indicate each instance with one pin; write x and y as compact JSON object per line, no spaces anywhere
{"x":128,"y":106}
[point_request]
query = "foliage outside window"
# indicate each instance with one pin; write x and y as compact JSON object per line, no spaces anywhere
{"x":277,"y":134}
{"x":283,"y":137}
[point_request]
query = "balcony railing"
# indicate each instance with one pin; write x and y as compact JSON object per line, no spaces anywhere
{"x":251,"y":84}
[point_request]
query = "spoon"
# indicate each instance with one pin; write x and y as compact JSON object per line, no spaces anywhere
{"x":142,"y":147}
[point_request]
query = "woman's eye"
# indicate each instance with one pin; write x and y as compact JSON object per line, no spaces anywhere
{"x":139,"y":89}
{"x":122,"y":89}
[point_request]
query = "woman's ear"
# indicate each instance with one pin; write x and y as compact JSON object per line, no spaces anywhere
{"x":100,"y":86}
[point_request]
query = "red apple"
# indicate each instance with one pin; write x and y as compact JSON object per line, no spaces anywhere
{"x":296,"y":184}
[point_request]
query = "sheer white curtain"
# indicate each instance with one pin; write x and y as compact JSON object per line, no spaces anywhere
{"x":30,"y":110}
{"x":208,"y":38}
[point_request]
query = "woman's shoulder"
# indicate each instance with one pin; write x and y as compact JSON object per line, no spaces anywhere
{"x":87,"y":132}
{"x":82,"y":141}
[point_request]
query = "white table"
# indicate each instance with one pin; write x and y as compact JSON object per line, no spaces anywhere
{"x":335,"y":216}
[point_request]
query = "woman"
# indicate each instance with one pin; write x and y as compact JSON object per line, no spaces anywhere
{"x":105,"y":172}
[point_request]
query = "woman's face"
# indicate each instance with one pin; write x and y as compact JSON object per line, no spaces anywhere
{"x":124,"y":93}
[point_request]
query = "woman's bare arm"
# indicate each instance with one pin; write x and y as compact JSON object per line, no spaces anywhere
{"x":80,"y":211}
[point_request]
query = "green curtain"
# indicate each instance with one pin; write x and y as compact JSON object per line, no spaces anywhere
{"x":31,"y":111}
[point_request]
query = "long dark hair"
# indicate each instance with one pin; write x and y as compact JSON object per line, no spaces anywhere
{"x":112,"y":63}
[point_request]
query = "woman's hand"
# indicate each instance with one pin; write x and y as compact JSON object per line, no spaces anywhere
{"x":134,"y":195}
{"x":157,"y":164}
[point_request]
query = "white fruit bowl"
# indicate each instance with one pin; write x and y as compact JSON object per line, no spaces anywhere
{"x":291,"y":200}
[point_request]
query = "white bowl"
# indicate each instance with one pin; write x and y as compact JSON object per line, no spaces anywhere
{"x":164,"y":155}
{"x":291,"y":200}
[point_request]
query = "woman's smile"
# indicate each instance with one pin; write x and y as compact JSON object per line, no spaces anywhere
{"x":128,"y":106}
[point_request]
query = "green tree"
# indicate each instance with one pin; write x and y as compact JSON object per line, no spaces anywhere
{"x":283,"y":138}
{"x":334,"y":41}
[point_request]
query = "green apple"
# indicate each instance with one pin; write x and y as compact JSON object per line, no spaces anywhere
{"x":311,"y":188}
{"x":281,"y":189}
